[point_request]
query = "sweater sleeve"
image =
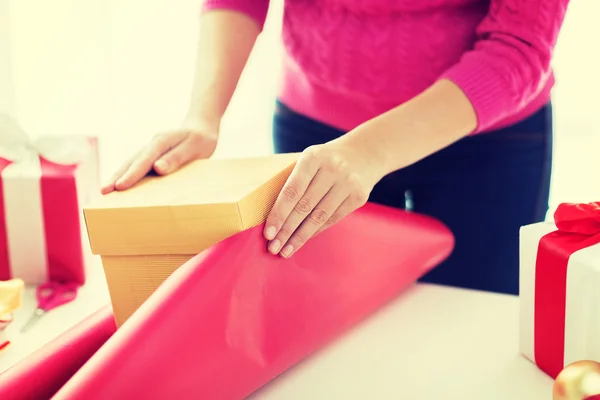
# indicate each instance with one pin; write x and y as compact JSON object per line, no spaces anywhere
{"x":510,"y":61}
{"x":256,"y":9}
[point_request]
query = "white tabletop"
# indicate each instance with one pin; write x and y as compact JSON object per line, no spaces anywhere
{"x":431,"y":343}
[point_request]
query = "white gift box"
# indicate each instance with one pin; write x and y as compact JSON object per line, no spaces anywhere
{"x":577,"y":335}
{"x":43,"y":185}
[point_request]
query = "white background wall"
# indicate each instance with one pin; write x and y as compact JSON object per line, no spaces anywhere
{"x":121,"y":69}
{"x":7,"y":100}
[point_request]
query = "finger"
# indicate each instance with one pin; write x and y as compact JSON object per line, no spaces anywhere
{"x":144,"y":162}
{"x":320,"y":216}
{"x":345,"y":209}
{"x":292,"y":191}
{"x":178,"y":156}
{"x":316,"y":191}
{"x":110,"y":185}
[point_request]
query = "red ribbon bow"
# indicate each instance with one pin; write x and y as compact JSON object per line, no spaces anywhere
{"x":578,"y":228}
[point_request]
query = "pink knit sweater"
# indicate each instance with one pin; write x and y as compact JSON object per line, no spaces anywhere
{"x":347,"y":61}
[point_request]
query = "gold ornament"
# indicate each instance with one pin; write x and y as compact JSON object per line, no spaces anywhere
{"x":578,"y":381}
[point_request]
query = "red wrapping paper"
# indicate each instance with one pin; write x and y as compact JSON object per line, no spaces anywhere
{"x":41,"y":375}
{"x":61,"y":188}
{"x":234,"y":317}
{"x":578,"y":228}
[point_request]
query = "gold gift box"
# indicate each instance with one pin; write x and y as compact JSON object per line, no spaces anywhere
{"x":145,"y":233}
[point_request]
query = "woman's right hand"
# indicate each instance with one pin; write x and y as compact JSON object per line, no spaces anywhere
{"x":166,"y":153}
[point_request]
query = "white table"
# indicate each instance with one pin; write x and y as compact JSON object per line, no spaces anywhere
{"x":432,"y":343}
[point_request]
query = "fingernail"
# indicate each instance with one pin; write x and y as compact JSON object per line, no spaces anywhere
{"x":287,"y":251}
{"x":274,"y":246}
{"x":270,"y":232}
{"x":162,"y":166}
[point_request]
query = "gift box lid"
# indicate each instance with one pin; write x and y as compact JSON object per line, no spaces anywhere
{"x":189,"y":210}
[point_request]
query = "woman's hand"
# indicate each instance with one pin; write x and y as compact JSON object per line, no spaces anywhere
{"x":166,"y":153}
{"x":328,"y":183}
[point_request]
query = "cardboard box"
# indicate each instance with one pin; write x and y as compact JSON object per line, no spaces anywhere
{"x":145,"y":233}
{"x":559,"y":280}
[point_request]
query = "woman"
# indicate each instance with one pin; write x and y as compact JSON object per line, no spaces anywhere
{"x":441,"y":106}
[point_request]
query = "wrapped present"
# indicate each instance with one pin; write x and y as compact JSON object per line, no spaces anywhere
{"x":43,"y":373}
{"x":145,"y":233}
{"x":43,"y":184}
{"x":234,"y":317}
{"x":559,"y":288}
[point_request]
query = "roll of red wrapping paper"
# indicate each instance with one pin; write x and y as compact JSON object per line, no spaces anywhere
{"x":234,"y":317}
{"x":42,"y":374}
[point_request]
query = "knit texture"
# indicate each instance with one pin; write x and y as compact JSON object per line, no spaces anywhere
{"x":347,"y":61}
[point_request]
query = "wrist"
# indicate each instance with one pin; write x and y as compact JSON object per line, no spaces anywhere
{"x":372,"y":156}
{"x":208,"y":124}
{"x":205,"y":110}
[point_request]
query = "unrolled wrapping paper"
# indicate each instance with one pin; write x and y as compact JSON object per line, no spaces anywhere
{"x":234,"y":317}
{"x":559,"y":288}
{"x":42,"y":374}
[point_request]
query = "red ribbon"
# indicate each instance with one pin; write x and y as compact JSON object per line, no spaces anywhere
{"x":578,"y":227}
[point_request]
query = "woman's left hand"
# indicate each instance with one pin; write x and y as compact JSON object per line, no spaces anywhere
{"x":328,"y":182}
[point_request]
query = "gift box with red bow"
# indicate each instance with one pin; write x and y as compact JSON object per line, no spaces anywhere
{"x":43,"y":184}
{"x":560,"y":288}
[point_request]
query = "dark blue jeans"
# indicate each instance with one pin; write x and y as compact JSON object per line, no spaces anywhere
{"x":484,"y":187}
